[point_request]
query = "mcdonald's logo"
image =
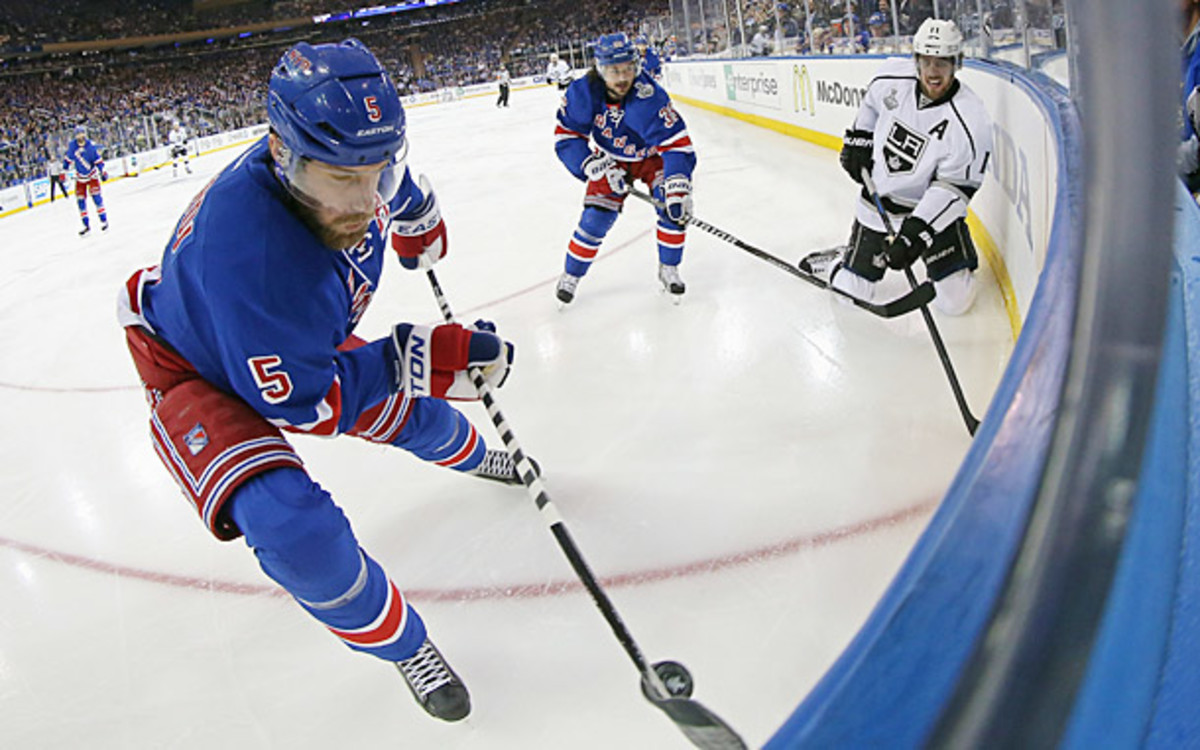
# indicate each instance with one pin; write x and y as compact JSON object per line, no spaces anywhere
{"x":803,"y":96}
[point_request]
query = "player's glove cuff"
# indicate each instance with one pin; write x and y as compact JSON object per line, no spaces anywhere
{"x":420,"y":239}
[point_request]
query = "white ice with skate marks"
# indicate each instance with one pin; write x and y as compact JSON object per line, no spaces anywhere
{"x":745,"y":471}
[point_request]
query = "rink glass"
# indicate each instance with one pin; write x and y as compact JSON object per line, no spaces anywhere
{"x":1029,"y":33}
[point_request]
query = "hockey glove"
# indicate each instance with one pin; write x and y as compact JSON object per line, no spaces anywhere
{"x":420,"y":240}
{"x":675,"y":193}
{"x":858,"y":147}
{"x":433,"y":361}
{"x":601,"y":166}
{"x":915,"y":238}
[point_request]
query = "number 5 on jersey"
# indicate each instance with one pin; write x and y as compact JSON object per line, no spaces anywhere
{"x":274,"y":384}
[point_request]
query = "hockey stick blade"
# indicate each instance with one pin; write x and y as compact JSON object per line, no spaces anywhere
{"x":918,"y":297}
{"x":705,"y":729}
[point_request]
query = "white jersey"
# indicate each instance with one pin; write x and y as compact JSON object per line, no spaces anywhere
{"x":177,"y":136}
{"x":930,"y":156}
{"x":558,"y":72}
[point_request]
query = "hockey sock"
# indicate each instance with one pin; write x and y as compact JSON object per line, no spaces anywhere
{"x":305,"y":544}
{"x":585,"y":242}
{"x":439,"y":433}
{"x":670,"y":242}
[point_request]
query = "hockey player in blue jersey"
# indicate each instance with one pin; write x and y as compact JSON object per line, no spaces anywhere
{"x":245,"y":330}
{"x":1189,"y":149}
{"x":638,"y":135}
{"x":84,"y":158}
{"x":650,"y":60}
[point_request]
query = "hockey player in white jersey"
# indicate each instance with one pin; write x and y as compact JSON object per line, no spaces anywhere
{"x":178,"y":138}
{"x":926,"y":140}
{"x":558,"y":72}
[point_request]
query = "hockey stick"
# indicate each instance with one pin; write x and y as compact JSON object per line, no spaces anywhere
{"x":667,"y":685}
{"x":909,"y":302}
{"x":968,"y":417}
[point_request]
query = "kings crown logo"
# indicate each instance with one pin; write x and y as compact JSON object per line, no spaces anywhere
{"x":903,"y":148}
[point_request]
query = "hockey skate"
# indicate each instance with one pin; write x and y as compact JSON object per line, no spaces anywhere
{"x":566,"y":289}
{"x":83,"y":232}
{"x":822,"y":263}
{"x":434,"y":684}
{"x":671,"y":281}
{"x":498,"y":466}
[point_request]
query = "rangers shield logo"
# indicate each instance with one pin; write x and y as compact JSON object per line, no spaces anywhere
{"x":903,"y":149}
{"x":196,"y":439}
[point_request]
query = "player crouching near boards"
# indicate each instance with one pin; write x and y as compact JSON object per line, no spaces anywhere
{"x":246,"y":328}
{"x":926,"y":140}
{"x":638,"y":135}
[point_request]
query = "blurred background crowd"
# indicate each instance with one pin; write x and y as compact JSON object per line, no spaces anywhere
{"x":127,"y":69}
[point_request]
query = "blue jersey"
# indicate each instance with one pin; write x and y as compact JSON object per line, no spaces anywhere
{"x":642,"y":125}
{"x":651,"y":63}
{"x":85,"y":160}
{"x":1190,"y":76}
{"x":258,"y":305}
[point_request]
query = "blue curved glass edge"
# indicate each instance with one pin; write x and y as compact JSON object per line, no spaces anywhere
{"x":888,"y":687}
{"x":1143,"y":678}
{"x":1176,"y":722}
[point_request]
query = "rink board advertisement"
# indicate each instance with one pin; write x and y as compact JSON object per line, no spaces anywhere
{"x":816,"y":99}
{"x":37,"y":191}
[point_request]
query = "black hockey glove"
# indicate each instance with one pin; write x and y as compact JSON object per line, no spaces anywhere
{"x":857,"y":149}
{"x":915,"y":237}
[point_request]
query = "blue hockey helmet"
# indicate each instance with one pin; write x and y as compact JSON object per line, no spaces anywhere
{"x":614,"y":49}
{"x":335,"y":103}
{"x":641,"y":41}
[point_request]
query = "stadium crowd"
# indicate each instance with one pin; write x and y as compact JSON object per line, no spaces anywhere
{"x":128,"y":95}
{"x":128,"y":98}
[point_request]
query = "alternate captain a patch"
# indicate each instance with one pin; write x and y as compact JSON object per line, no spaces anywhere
{"x":196,"y":439}
{"x":903,"y":148}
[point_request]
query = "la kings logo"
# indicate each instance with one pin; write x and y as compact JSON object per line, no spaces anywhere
{"x":903,"y":149}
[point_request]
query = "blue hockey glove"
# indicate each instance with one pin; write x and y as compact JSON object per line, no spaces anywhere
{"x":675,"y":193}
{"x":420,"y":239}
{"x":433,"y":361}
{"x":601,"y":166}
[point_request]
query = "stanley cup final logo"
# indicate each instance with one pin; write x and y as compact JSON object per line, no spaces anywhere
{"x":803,"y":96}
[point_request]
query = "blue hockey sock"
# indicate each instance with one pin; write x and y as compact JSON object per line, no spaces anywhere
{"x":305,"y":544}
{"x":439,"y":433}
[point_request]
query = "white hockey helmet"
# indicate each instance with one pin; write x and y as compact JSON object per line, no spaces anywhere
{"x":938,"y":38}
{"x":553,"y":57}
